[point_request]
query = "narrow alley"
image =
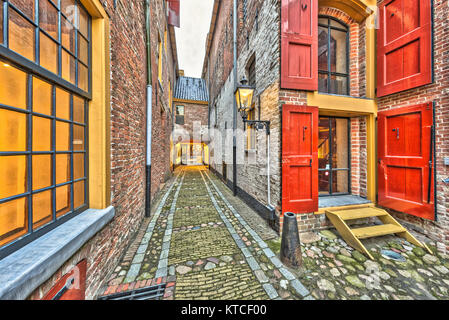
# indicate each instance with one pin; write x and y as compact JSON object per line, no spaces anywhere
{"x":200,"y":245}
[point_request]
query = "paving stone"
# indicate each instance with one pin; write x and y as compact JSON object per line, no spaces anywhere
{"x":326,"y":285}
{"x":430,"y":259}
{"x":299,"y":287}
{"x":418,"y":251}
{"x":270,"y":290}
{"x":209,"y":266}
{"x":355,"y":281}
{"x":287,"y":274}
{"x":328,"y":234}
{"x":309,"y":237}
{"x":261,"y":276}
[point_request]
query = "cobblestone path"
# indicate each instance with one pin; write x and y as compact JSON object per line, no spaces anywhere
{"x":199,"y":245}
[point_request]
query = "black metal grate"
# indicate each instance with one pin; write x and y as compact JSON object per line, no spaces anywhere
{"x":147,"y":293}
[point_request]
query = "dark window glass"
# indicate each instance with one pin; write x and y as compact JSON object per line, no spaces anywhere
{"x":179,"y":115}
{"x":333,"y":57}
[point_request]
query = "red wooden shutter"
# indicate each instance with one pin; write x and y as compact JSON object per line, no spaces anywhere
{"x":173,"y":13}
{"x":299,"y":44}
{"x":404,"y":46}
{"x":299,"y":159}
{"x":405,"y":169}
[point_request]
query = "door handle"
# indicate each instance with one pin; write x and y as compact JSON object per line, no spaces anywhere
{"x":304,"y":6}
{"x":304,"y":133}
{"x":397,"y":132}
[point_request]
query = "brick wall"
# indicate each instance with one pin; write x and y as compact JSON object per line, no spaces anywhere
{"x":128,"y":74}
{"x":438,"y":92}
{"x":192,"y":113}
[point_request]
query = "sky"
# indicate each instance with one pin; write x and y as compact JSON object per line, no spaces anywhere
{"x":191,"y":36}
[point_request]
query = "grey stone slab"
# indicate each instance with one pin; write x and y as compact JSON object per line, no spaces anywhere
{"x":240,"y":243}
{"x":287,"y":274}
{"x":253,"y":263}
{"x":246,"y":252}
{"x":167,"y":238}
{"x":299,"y":287}
{"x":277,"y":263}
{"x":166,"y":245}
{"x":270,"y":290}
{"x":27,"y":268}
{"x":339,"y":201}
{"x":164,"y":254}
{"x":163,"y":263}
{"x":268,"y":252}
{"x":161,"y":272}
{"x":260,"y":275}
{"x":138,"y":258}
{"x":133,"y":272}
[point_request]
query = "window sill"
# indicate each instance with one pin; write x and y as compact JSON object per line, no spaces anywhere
{"x":26,"y":269}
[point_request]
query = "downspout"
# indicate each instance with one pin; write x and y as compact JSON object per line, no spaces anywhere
{"x":149,"y":109}
{"x":234,"y":139}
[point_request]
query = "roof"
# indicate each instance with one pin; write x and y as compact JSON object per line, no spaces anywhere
{"x":188,"y":88}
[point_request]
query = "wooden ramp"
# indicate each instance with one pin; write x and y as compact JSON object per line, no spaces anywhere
{"x":353,"y":236}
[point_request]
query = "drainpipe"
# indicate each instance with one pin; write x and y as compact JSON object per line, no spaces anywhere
{"x":149,"y":110}
{"x":234,"y":142}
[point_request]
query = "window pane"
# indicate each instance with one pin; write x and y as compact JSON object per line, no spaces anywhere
{"x":83,"y":77}
{"x":68,"y":67}
{"x":62,"y":104}
{"x":340,"y":183}
{"x":21,"y":35}
{"x":83,"y":49}
{"x":323,"y":143}
{"x":337,"y":24}
{"x":323,"y":182}
{"x":322,"y":82}
{"x":42,"y":209}
{"x":339,"y":85}
{"x":68,"y":9}
{"x":83,"y":21}
{"x":78,"y":138}
{"x":322,"y":48}
{"x":48,"y":53}
{"x":67,"y":35}
{"x":13,"y":220}
{"x":42,"y":97}
{"x":62,"y":136}
{"x":62,"y":168}
{"x":62,"y":200}
{"x":48,"y":18}
{"x":13,"y":129}
{"x":78,"y":194}
{"x":1,"y":21}
{"x":78,"y":109}
{"x":340,"y":143}
{"x":41,"y":134}
{"x":13,"y":170}
{"x":339,"y":54}
{"x":78,"y":166}
{"x":13,"y":86}
{"x":26,"y":6}
{"x":42,"y":171}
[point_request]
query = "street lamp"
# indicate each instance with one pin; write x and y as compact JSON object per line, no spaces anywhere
{"x":244,"y":96}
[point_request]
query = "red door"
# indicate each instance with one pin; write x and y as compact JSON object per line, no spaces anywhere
{"x":405,"y":167}
{"x":299,"y":159}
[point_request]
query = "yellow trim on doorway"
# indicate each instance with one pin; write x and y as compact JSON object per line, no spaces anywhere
{"x":99,"y":109}
{"x":335,"y":104}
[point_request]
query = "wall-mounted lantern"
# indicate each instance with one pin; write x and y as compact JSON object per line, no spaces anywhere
{"x":244,"y":97}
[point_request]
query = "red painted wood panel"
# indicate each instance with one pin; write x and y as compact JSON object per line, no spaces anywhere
{"x":404,"y":152}
{"x":299,"y":159}
{"x":77,"y":290}
{"x":299,"y":44}
{"x":174,"y":13}
{"x":404,"y":45}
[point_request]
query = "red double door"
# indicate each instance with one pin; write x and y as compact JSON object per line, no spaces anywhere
{"x":405,"y":154}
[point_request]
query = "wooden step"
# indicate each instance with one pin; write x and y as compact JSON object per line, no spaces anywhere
{"x":376,"y":231}
{"x":359,"y":213}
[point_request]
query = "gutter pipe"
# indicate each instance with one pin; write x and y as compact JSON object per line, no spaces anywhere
{"x":149,"y":109}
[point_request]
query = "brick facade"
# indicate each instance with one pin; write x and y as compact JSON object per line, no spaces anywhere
{"x":128,"y":81}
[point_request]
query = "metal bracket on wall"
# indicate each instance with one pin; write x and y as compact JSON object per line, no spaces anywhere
{"x":446,"y":181}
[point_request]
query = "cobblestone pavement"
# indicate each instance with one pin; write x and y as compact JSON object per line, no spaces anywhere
{"x":201,"y":247}
{"x":203,"y":243}
{"x":333,"y":270}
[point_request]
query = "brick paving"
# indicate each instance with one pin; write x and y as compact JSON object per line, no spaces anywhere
{"x":202,"y":243}
{"x":199,"y":244}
